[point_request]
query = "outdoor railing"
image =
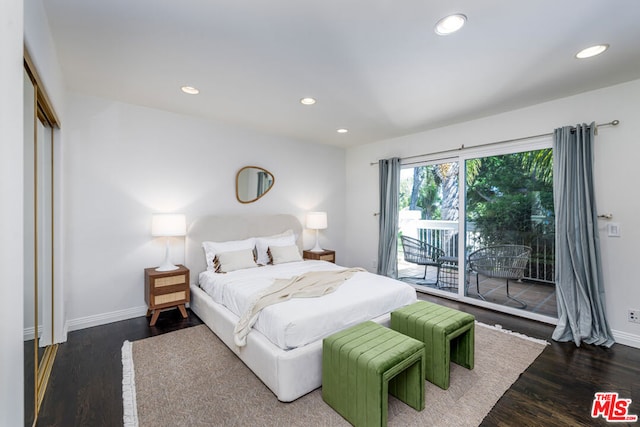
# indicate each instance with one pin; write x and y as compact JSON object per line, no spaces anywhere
{"x":441,"y":234}
{"x":444,"y":235}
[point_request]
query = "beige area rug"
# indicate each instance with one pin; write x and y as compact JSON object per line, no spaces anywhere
{"x":190,"y":378}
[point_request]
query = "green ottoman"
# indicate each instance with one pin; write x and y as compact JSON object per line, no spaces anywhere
{"x":448,"y":335}
{"x":361,"y":364}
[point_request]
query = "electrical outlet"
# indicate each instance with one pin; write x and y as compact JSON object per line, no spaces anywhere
{"x":634,"y":315}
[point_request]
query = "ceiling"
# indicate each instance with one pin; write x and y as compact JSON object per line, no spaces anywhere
{"x":376,"y":67}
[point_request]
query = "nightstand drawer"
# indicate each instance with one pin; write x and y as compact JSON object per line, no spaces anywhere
{"x":170,"y":281}
{"x":325,"y":255}
{"x":172,"y":297}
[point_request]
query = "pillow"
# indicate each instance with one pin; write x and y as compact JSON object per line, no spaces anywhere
{"x":264,"y":243}
{"x":282,"y":254}
{"x":211,"y":249}
{"x":225,"y":262}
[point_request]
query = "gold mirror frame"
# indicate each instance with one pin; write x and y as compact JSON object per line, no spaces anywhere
{"x":39,"y":362}
{"x":252,"y":183}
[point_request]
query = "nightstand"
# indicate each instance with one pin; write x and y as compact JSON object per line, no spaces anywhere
{"x":165,"y":289}
{"x":325,"y":255}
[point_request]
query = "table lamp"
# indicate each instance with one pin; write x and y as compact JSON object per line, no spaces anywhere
{"x":317,"y":221}
{"x":168,"y":225}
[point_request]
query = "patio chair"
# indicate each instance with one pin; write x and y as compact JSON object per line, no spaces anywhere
{"x":421,"y":253}
{"x":500,"y":261}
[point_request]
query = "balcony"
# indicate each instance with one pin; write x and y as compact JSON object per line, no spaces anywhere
{"x":536,"y":290}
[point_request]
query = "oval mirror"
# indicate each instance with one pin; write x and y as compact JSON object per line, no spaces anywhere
{"x":252,"y":183}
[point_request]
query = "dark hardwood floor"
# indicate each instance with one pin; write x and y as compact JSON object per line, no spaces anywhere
{"x":559,"y":386}
{"x":556,"y":390}
{"x":85,"y":388}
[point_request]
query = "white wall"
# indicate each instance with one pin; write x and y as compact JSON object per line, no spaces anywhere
{"x":11,"y":255}
{"x":617,"y":153}
{"x":125,"y":162}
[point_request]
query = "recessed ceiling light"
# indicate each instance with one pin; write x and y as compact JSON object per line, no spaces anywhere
{"x":190,"y":90}
{"x":307,"y":101}
{"x":592,"y":51}
{"x":450,"y":24}
{"x":342,"y":130}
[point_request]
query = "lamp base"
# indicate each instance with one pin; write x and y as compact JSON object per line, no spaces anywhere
{"x":317,"y":247}
{"x":166,"y":264}
{"x":167,"y":267}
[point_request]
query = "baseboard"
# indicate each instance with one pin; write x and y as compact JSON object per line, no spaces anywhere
{"x":29,"y":333}
{"x":104,"y":318}
{"x":626,"y":338}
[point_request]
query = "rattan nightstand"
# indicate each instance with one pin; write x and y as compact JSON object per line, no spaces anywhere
{"x":165,"y":289}
{"x":325,"y":255}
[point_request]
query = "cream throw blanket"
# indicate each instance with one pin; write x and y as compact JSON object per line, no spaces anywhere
{"x":308,"y":285}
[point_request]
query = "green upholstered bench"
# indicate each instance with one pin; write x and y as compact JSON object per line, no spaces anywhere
{"x":362,"y":364}
{"x":448,"y":335}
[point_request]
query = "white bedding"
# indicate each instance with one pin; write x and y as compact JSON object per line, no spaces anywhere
{"x":301,"y":321}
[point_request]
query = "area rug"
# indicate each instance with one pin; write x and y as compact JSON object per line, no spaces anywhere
{"x":190,"y":378}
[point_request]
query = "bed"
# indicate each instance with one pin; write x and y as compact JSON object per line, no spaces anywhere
{"x":286,"y":360}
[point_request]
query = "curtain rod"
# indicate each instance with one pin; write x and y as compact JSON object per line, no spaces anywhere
{"x":524,"y":138}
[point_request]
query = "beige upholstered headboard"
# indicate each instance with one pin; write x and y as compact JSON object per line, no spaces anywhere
{"x":215,"y":228}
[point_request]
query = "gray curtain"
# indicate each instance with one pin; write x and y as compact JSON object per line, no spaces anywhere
{"x":579,"y":284}
{"x":388,"y":219}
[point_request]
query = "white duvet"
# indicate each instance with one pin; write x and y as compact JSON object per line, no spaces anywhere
{"x":300,"y":321}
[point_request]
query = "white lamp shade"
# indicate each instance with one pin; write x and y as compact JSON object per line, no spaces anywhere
{"x":168,"y":225}
{"x":317,"y":220}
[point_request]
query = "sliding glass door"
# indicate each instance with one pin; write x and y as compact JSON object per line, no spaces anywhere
{"x":480,"y":227}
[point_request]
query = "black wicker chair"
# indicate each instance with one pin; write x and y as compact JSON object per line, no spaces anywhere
{"x":421,"y":253}
{"x":500,"y":261}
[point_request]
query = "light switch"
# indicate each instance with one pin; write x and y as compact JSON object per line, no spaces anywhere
{"x":613,"y":229}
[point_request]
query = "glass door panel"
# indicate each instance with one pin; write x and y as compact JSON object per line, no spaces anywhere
{"x":510,"y":231}
{"x":428,"y":227}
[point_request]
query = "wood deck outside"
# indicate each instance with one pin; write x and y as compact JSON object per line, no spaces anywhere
{"x":539,"y":297}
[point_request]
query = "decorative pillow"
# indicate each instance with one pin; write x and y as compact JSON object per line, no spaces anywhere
{"x":264,"y":243}
{"x":211,"y":249}
{"x":225,"y":262}
{"x":282,"y":254}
